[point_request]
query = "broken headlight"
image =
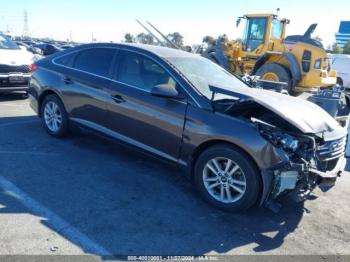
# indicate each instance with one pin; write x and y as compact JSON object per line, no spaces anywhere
{"x":277,"y":137}
{"x":282,"y":140}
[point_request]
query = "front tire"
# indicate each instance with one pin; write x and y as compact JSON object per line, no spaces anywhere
{"x":227,"y":178}
{"x":54,"y":116}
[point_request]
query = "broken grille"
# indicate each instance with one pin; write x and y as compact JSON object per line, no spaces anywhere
{"x":331,"y":150}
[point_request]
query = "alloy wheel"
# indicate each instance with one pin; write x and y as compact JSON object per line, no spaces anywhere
{"x":53,"y":116}
{"x":224,"y":180}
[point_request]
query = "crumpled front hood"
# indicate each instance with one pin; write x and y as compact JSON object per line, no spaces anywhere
{"x":304,"y":115}
{"x":16,"y":57}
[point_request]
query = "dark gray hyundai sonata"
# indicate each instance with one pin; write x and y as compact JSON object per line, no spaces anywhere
{"x":240,"y":146}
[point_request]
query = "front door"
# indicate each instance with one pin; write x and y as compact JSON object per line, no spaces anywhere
{"x":152,"y":123}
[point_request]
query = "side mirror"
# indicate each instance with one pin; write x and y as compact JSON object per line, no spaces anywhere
{"x":165,"y":90}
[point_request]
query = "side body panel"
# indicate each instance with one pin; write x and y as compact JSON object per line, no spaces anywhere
{"x":186,"y":125}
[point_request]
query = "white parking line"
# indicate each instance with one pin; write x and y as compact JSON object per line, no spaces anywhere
{"x":54,"y":221}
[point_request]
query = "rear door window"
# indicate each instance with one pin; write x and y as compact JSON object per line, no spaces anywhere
{"x":96,"y":61}
{"x":141,"y":72}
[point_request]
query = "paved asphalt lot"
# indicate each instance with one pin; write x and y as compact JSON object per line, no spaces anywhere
{"x":86,"y":195}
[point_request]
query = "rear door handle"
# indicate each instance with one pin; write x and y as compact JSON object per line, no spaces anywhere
{"x":118,"y":99}
{"x":68,"y":81}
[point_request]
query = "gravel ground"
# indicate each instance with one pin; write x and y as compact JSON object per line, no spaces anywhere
{"x":86,"y":195}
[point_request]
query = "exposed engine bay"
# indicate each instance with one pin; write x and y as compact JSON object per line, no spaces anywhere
{"x":311,"y":159}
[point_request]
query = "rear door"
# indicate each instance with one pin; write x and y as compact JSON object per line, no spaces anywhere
{"x":85,"y":85}
{"x":152,"y":123}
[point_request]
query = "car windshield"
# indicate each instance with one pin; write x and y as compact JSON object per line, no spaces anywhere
{"x":6,"y":43}
{"x":203,"y":73}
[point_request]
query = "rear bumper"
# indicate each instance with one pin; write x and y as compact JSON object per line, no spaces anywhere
{"x":316,"y":78}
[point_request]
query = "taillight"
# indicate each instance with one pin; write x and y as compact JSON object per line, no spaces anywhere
{"x":33,"y":67}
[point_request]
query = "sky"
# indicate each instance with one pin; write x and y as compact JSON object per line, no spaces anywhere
{"x":109,"y":20}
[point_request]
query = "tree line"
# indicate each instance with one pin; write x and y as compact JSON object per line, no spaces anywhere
{"x":177,"y":39}
{"x":337,"y":50}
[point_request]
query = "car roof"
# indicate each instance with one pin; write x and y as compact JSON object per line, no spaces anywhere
{"x":157,"y":50}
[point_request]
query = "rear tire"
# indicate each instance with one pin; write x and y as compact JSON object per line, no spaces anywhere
{"x":54,"y":116}
{"x":276,"y":72}
{"x":233,"y":192}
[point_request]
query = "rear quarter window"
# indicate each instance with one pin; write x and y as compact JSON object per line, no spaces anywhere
{"x":66,"y":60}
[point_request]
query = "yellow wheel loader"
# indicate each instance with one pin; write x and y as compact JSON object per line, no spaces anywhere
{"x":298,"y":60}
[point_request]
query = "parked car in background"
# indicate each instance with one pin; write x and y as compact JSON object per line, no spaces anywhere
{"x":66,"y":46}
{"x":30,"y":48}
{"x":29,"y":42}
{"x":239,"y":145}
{"x":15,"y":66}
{"x":48,"y":49}
{"x":341,"y":63}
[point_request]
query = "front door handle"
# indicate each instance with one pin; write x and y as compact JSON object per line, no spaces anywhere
{"x":68,"y":81}
{"x":118,"y":99}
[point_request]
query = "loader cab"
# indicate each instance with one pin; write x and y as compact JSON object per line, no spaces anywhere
{"x":259,"y":30}
{"x":254,"y":33}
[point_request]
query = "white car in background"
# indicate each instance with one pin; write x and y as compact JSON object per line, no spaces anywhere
{"x":341,"y":63}
{"x":15,"y":66}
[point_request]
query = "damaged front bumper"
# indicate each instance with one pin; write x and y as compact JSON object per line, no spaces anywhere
{"x":327,"y":179}
{"x":290,"y":176}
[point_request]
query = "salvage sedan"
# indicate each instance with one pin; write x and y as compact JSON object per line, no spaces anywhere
{"x":240,"y":146}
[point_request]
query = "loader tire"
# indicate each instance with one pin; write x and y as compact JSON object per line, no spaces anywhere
{"x":276,"y":72}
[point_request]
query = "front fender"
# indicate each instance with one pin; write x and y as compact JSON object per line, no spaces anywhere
{"x":204,"y":126}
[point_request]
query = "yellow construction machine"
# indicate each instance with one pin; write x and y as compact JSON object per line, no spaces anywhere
{"x":265,"y":51}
